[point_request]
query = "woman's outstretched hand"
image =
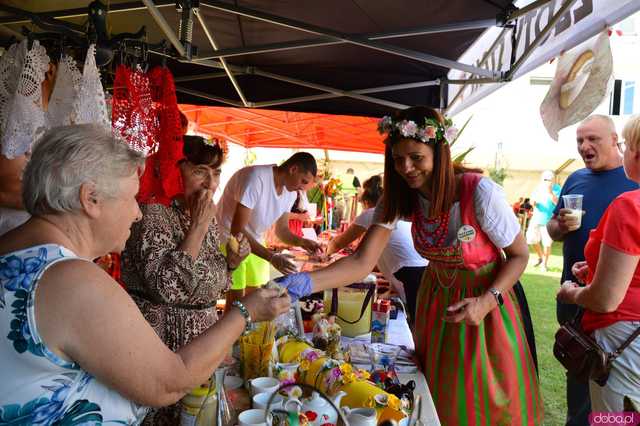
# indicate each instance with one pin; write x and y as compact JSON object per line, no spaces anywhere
{"x":298,"y":285}
{"x":264,"y":304}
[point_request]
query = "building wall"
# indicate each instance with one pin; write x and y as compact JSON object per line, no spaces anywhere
{"x":522,"y":183}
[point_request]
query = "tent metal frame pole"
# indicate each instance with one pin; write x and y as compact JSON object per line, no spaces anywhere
{"x":332,"y":90}
{"x":358,"y":41}
{"x":543,"y":34}
{"x":226,"y":123}
{"x":214,"y":45}
{"x":207,"y":76}
{"x":81,"y":12}
{"x":443,"y":92}
{"x":12,"y":32}
{"x":336,"y":93}
{"x":223,"y":135}
{"x":162,"y":23}
{"x":329,"y":41}
{"x":164,"y":26}
{"x":518,"y":63}
{"x":277,"y":130}
{"x":465,"y":81}
{"x":524,"y":10}
{"x":208,"y":96}
{"x":484,"y":59}
{"x":286,"y":101}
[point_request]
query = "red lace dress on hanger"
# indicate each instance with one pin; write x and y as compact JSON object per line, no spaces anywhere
{"x":146,"y":115}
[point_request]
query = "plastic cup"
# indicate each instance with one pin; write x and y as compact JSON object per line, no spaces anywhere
{"x":382,"y":356}
{"x":573,"y":202}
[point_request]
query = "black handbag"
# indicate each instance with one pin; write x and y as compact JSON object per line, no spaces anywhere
{"x":582,"y":356}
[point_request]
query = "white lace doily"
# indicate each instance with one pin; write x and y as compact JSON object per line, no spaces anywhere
{"x":10,"y":68}
{"x":25,"y":119}
{"x":65,"y":92}
{"x":90,"y":105}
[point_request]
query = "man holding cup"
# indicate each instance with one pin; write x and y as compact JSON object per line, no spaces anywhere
{"x":583,"y":199}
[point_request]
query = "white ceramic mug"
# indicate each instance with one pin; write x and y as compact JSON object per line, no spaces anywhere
{"x":261,"y":399}
{"x":361,"y":416}
{"x":254,"y":417}
{"x":264,"y":384}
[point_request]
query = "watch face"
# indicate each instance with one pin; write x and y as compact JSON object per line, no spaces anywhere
{"x":497,"y":295}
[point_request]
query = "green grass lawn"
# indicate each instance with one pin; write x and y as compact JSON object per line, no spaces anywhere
{"x":541,"y":290}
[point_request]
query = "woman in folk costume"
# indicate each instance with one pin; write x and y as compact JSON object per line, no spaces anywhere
{"x":469,"y":331}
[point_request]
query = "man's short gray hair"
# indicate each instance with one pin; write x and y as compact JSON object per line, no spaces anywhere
{"x":604,"y":118}
{"x":67,"y":157}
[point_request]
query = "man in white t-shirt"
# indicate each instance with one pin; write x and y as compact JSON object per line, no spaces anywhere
{"x":253,"y":200}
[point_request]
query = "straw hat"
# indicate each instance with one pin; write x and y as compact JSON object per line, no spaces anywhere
{"x":580,"y":84}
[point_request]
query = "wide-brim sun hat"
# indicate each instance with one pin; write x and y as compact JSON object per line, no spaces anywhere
{"x":581,"y":82}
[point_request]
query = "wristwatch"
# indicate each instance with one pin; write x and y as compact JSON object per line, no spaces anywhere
{"x":498,"y":296}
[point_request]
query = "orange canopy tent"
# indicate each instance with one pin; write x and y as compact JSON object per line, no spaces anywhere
{"x":284,"y":129}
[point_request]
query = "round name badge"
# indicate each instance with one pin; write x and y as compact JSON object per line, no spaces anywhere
{"x":466,"y":233}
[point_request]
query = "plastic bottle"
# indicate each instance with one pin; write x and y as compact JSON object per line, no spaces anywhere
{"x":199,"y":407}
{"x":225,"y":413}
{"x":380,"y":321}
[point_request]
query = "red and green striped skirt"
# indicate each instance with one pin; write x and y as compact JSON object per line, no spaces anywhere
{"x":478,"y":375}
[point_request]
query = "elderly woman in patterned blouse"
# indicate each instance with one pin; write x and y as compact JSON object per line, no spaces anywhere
{"x":172,"y":265}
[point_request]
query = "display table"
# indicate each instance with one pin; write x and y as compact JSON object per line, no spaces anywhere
{"x":399,"y":334}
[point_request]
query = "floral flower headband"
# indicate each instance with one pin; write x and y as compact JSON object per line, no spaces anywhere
{"x":431,"y":130}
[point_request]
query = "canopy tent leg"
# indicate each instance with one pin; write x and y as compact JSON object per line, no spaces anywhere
{"x":542,"y":36}
{"x":444,"y":86}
